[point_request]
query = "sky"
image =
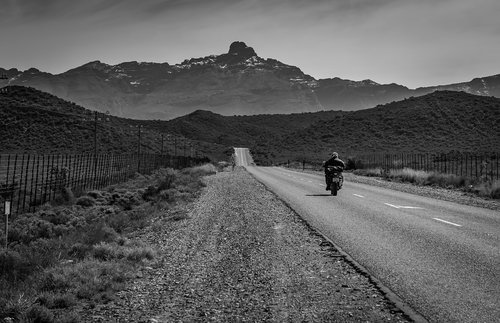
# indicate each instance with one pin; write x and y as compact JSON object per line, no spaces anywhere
{"x":410,"y":42}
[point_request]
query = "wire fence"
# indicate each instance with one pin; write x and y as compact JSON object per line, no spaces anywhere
{"x":484,"y":166}
{"x":28,"y":181}
{"x":468,"y":165}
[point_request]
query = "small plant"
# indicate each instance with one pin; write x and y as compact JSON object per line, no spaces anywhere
{"x":489,"y":189}
{"x":376,"y":172}
{"x":41,"y":314}
{"x":85,"y":201}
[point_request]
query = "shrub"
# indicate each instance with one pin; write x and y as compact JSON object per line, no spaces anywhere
{"x":139,"y":253}
{"x":12,"y":265}
{"x":369,"y":172}
{"x":64,"y":196}
{"x":85,"y":201}
{"x":163,"y":179}
{"x":446,"y":180}
{"x":56,"y":300}
{"x":95,"y":194}
{"x":203,"y":170}
{"x":80,"y":250}
{"x":105,"y":251}
{"x":128,"y":200}
{"x":20,"y":261}
{"x":409,"y":175}
{"x":132,"y":252}
{"x":489,"y":189}
{"x":56,"y":216}
{"x":39,"y":314}
{"x":99,"y":232}
{"x":16,"y":307}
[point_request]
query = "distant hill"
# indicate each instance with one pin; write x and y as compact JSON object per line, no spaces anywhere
{"x":442,"y":121}
{"x":438,"y":122}
{"x":33,"y":121}
{"x":238,"y":82}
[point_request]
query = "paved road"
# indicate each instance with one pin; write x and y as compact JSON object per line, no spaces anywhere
{"x":442,"y":258}
{"x":243,"y":157}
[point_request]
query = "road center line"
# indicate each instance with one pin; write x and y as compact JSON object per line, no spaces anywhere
{"x":404,"y":206}
{"x":358,"y":195}
{"x":457,"y":225}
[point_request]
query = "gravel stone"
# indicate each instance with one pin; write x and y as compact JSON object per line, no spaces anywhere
{"x":241,"y":255}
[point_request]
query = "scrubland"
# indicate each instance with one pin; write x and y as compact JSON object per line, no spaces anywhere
{"x":84,"y":249}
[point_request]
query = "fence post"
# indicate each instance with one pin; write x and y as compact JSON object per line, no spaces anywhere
{"x":26,"y":181}
{"x":496,"y":159}
{"x":7,"y":212}
{"x":475,"y":158}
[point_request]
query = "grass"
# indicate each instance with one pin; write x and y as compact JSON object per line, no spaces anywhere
{"x":61,"y":256}
{"x":488,"y":188}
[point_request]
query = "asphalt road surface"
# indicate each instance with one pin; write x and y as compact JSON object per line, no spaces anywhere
{"x":441,"y":258}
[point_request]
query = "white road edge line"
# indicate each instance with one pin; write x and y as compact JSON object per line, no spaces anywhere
{"x":457,"y":225}
{"x":358,"y":195}
{"x":394,"y":206}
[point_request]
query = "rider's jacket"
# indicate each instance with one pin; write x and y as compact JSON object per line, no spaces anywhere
{"x":335,"y":161}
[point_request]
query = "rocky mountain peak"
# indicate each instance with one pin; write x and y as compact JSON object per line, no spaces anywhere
{"x":241,"y":49}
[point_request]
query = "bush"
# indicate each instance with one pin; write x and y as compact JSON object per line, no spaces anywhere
{"x":80,"y":250}
{"x":85,"y":201}
{"x":56,"y":300}
{"x":99,"y":232}
{"x":409,"y":175}
{"x":489,"y":189}
{"x":16,"y":307}
{"x":446,"y":180}
{"x":64,"y":196}
{"x":136,"y":253}
{"x":39,"y":314}
{"x":139,"y":253}
{"x":372,"y":172}
{"x":207,"y":169}
{"x":105,"y":251}
{"x":12,"y":265}
{"x":163,"y":179}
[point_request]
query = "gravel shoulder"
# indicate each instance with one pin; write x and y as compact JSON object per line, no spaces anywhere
{"x":241,"y":255}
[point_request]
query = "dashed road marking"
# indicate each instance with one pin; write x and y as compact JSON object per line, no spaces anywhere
{"x":457,"y":225}
{"x":358,"y":195}
{"x":404,"y":207}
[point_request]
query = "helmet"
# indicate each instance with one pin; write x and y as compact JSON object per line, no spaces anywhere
{"x":335,"y":155}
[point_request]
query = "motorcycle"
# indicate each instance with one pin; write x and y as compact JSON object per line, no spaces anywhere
{"x":334,"y":178}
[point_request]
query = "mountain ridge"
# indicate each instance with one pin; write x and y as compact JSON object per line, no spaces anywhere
{"x":238,"y":82}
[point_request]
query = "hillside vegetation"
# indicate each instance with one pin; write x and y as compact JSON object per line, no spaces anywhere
{"x":32,"y":121}
{"x":438,"y":122}
{"x":442,"y":121}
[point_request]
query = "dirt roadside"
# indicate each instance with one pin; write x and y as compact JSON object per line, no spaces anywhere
{"x":241,"y":255}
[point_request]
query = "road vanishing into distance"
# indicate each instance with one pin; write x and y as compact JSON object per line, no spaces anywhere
{"x":441,"y":258}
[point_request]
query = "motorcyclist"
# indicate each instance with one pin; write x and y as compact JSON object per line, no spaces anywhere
{"x":333,"y":161}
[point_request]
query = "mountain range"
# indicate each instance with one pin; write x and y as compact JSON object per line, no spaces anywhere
{"x":238,"y":82}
